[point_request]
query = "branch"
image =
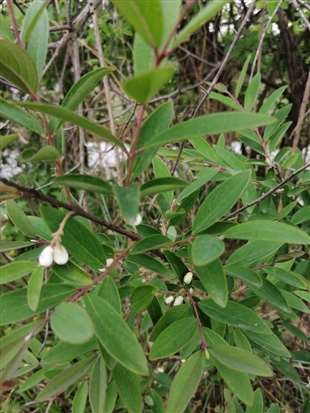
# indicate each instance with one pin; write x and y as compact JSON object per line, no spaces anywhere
{"x":268,"y":193}
{"x":34,"y":193}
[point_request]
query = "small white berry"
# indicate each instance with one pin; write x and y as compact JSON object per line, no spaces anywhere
{"x":46,"y":257}
{"x":136,"y":220}
{"x":188,"y":278}
{"x":109,"y":262}
{"x":191,"y":290}
{"x":169,"y":299}
{"x":178,"y":300}
{"x":61,"y":256}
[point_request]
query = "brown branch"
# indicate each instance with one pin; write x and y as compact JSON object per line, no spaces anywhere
{"x":268,"y":193}
{"x":34,"y":193}
{"x":302,"y":113}
{"x":14,"y":22}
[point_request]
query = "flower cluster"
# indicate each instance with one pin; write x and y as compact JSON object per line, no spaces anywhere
{"x":188,"y":277}
{"x":53,"y":253}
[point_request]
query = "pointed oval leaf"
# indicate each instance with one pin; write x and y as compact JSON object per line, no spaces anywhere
{"x":205,"y":249}
{"x":173,"y":338}
{"x":17,"y":67}
{"x":128,"y":199}
{"x":115,"y":335}
{"x":159,"y":185}
{"x":84,"y":182}
{"x":34,"y":288}
{"x":68,"y":115}
{"x":220,"y":201}
{"x":80,"y":399}
{"x":46,"y":153}
{"x":98,"y":386}
{"x":71,"y":323}
{"x":214,"y":281}
{"x":145,"y":17}
{"x":65,"y":379}
{"x":240,"y":360}
{"x":15,"y":270}
{"x":129,"y":388}
{"x":9,"y":110}
{"x":215,"y":123}
{"x":7,"y":140}
{"x":143,"y":87}
{"x":150,"y":243}
{"x":19,"y":218}
{"x":185,"y":383}
{"x":264,"y":230}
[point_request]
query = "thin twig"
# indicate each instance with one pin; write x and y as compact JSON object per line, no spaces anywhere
{"x":14,"y":22}
{"x":302,"y":113}
{"x":268,"y":193}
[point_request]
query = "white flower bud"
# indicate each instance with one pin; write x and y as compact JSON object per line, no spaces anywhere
{"x":46,"y":257}
{"x":169,"y":299}
{"x":109,"y":262}
{"x":188,"y":278}
{"x":178,"y":300}
{"x":61,"y":256}
{"x":191,"y":290}
{"x":136,"y":220}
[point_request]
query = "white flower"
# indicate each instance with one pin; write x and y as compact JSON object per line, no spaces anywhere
{"x":135,"y":221}
{"x":61,"y":256}
{"x":188,"y":278}
{"x":109,"y":262}
{"x":178,"y":300}
{"x":46,"y":257}
{"x":169,"y":299}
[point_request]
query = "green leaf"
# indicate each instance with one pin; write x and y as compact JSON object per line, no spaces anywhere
{"x":251,"y":94}
{"x":72,"y":274}
{"x":143,"y":56}
{"x":270,"y":343}
{"x":240,"y":360}
{"x":270,"y":101}
{"x":145,"y":17}
{"x":19,"y":218}
{"x":271,"y":293}
{"x":10,"y":111}
{"x":185,"y":383}
{"x":143,"y":87}
{"x":17,"y":67}
{"x":156,"y":122}
{"x":115,"y":335}
{"x":214,"y":281}
{"x":235,"y":314}
{"x":253,"y":252}
{"x":34,"y":288}
{"x":289,"y":277}
{"x":80,"y":399}
{"x":65,"y":379}
{"x":265,"y":230}
{"x":7,"y":140}
{"x":258,"y":403}
{"x":71,"y":323}
{"x":62,"y":353}
{"x":98,"y":386}
{"x":246,"y":274}
{"x":158,"y":185}
{"x":108,"y":290}
{"x":35,"y":32}
{"x":215,"y":123}
{"x":220,"y":201}
{"x":15,"y":270}
{"x":7,"y":245}
{"x":173,"y":338}
{"x":172,"y":10}
{"x":14,"y":306}
{"x":205,"y":14}
{"x":172,"y":315}
{"x":67,"y":115}
{"x":205,"y":249}
{"x":84,"y":182}
{"x":129,"y":388}
{"x":150,"y":243}
{"x":46,"y":153}
{"x":202,"y":178}
{"x":301,"y":216}
{"x":142,"y":297}
{"x":128,"y":199}
{"x":226,"y":100}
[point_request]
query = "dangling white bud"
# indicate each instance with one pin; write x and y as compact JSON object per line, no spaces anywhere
{"x":46,"y":257}
{"x":169,"y":299}
{"x":188,"y":278}
{"x":136,"y":220}
{"x":178,"y":300}
{"x":61,"y":256}
{"x":109,"y":262}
